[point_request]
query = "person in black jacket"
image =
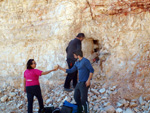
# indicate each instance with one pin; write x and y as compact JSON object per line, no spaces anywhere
{"x":73,"y":46}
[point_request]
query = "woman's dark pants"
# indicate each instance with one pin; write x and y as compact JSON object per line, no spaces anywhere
{"x":31,"y":92}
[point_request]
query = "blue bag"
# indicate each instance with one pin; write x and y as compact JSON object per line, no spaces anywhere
{"x":73,"y":106}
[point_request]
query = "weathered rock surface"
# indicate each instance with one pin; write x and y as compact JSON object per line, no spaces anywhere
{"x":109,"y":109}
{"x":42,"y":30}
{"x":98,"y":102}
{"x":102,"y":91}
{"x":119,"y":110}
{"x":4,"y":98}
{"x":128,"y":110}
{"x":12,"y":94}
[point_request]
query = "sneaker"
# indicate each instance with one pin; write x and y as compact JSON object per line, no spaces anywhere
{"x":68,"y":90}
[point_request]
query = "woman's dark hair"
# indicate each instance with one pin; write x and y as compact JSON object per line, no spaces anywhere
{"x":29,"y":63}
{"x":80,"y":35}
{"x":79,"y":53}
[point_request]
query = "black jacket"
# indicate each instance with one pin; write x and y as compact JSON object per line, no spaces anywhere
{"x":73,"y":46}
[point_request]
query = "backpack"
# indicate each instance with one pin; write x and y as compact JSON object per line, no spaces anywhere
{"x":50,"y":110}
{"x":56,"y":110}
{"x":69,"y":108}
{"x":47,"y":110}
{"x":66,"y":109}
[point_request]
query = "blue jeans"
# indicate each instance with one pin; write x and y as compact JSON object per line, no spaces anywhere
{"x":31,"y":92}
{"x":81,"y":97}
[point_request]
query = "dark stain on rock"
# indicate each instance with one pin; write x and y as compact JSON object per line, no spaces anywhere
{"x":125,"y":7}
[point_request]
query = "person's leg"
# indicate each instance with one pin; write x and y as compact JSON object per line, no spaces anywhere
{"x":73,"y":75}
{"x":75,"y":79}
{"x":30,"y":99}
{"x":69,"y":76}
{"x":67,"y":81}
{"x":77,"y":98}
{"x":38,"y":94}
{"x":84,"y":97}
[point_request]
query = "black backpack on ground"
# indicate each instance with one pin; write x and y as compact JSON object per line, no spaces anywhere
{"x":66,"y":109}
{"x":50,"y":110}
{"x":56,"y":110}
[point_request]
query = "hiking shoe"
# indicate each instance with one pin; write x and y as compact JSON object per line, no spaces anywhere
{"x":68,"y":90}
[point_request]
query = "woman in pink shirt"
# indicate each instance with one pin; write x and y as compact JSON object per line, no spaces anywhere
{"x":32,"y":85}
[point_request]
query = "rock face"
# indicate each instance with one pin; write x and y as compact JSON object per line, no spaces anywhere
{"x":119,"y":110}
{"x":4,"y":98}
{"x":12,"y":94}
{"x":42,"y":30}
{"x":129,"y":111}
{"x":109,"y":109}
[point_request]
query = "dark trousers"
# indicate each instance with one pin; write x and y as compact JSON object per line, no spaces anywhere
{"x":71,"y":76}
{"x":31,"y":92}
{"x":81,"y":97}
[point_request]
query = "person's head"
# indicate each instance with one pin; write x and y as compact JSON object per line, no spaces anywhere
{"x":81,"y":36}
{"x":78,"y":54}
{"x":31,"y":64}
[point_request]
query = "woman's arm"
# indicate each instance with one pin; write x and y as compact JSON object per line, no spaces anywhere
{"x":47,"y":72}
{"x":73,"y":69}
{"x":24,"y":85}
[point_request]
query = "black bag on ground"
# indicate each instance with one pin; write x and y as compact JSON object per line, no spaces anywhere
{"x":56,"y":110}
{"x":50,"y":110}
{"x":47,"y":110}
{"x":66,"y":109}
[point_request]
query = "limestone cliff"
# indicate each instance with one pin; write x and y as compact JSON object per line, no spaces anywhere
{"x":41,"y":29}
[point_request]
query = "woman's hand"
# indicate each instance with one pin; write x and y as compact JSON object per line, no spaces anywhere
{"x":47,"y":72}
{"x":59,"y":67}
{"x":56,"y":68}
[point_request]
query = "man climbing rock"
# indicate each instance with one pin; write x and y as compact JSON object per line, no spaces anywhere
{"x":73,"y":46}
{"x":86,"y":71}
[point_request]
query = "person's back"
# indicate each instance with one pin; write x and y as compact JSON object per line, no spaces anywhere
{"x":73,"y":46}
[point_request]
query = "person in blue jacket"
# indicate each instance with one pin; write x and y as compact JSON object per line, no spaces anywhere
{"x":86,"y":71}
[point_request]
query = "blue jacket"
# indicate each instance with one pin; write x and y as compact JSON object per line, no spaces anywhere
{"x":84,"y":68}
